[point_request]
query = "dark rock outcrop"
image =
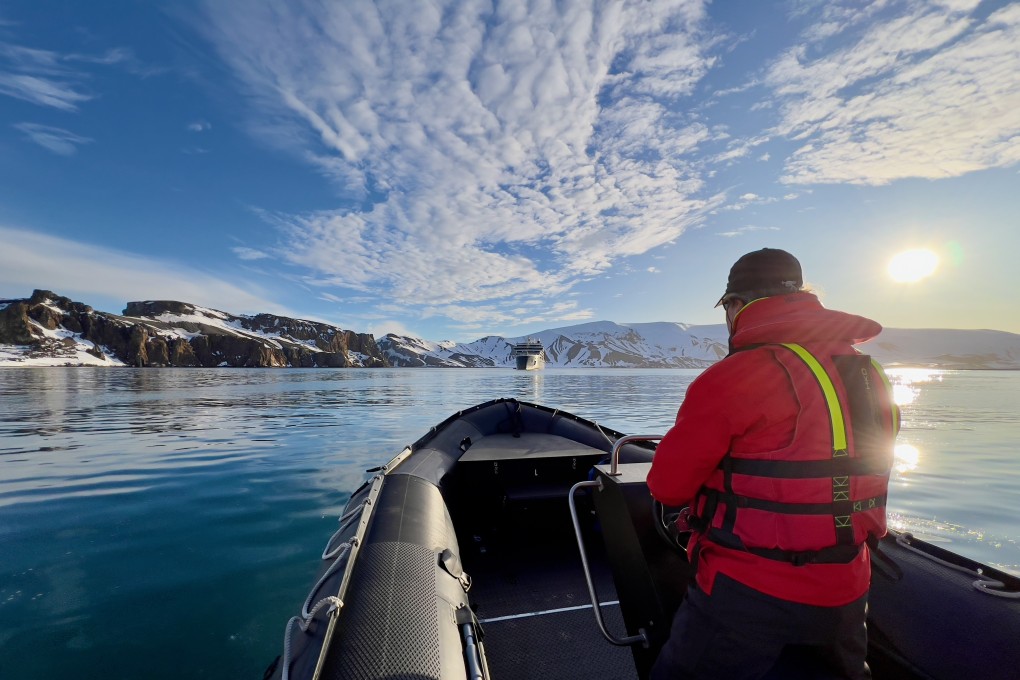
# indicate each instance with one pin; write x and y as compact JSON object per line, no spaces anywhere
{"x":172,"y":333}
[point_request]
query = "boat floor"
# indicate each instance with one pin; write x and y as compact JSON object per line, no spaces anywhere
{"x":531,"y":597}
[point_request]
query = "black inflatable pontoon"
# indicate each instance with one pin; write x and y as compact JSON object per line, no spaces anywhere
{"x":460,"y":559}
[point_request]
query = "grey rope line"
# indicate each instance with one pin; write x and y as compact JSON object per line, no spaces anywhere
{"x":599,"y":428}
{"x":345,"y":522}
{"x":305,"y":619}
{"x":334,"y":602}
{"x":340,"y":552}
{"x":343,"y":549}
{"x":987,"y":586}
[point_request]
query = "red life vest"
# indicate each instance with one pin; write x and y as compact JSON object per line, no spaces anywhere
{"x":823,"y":495}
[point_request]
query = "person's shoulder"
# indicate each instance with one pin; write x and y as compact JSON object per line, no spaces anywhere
{"x":740,"y":359}
{"x":735,"y":364}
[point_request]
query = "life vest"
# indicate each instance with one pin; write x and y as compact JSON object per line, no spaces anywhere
{"x":822,"y":496}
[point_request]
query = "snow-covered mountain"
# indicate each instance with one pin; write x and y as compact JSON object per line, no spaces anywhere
{"x":946,"y":348}
{"x":50,"y":330}
{"x":589,"y":345}
{"x":677,"y":345}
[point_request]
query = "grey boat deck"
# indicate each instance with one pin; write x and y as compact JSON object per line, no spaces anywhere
{"x":532,"y":599}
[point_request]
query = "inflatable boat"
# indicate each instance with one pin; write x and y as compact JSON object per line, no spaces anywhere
{"x":515,"y":540}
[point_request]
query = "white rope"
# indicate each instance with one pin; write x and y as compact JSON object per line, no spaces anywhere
{"x":343,"y":549}
{"x":305,"y":619}
{"x":345,"y":521}
{"x":303,"y":623}
{"x":987,"y":586}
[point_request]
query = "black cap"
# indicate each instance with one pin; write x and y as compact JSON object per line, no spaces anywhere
{"x":765,"y":269}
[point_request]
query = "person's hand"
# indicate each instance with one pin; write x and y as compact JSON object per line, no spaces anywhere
{"x":682,"y":523}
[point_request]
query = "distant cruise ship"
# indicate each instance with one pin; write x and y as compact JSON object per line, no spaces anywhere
{"x":528,"y":355}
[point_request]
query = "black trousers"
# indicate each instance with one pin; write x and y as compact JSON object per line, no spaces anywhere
{"x":738,"y":633}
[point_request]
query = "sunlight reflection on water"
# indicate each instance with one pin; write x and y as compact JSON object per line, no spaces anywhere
{"x":906,"y":382}
{"x":906,"y":458}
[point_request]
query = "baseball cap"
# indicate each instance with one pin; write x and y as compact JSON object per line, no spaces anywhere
{"x":764,"y":269}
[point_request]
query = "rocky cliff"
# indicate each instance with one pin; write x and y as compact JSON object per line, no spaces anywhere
{"x":47,"y":329}
{"x":171,"y":333}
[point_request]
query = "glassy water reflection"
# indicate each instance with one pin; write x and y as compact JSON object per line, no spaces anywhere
{"x":166,"y":523}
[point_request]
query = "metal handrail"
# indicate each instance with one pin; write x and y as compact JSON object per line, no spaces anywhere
{"x":614,"y":471}
{"x":614,"y":465}
{"x":641,"y":637}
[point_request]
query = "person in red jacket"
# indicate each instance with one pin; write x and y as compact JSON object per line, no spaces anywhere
{"x":782,"y":452}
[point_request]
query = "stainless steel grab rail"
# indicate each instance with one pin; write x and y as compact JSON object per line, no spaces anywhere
{"x":614,"y":462}
{"x":641,"y":636}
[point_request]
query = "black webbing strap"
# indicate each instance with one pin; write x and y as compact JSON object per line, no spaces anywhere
{"x":807,"y":469}
{"x":836,"y":554}
{"x":734,"y":501}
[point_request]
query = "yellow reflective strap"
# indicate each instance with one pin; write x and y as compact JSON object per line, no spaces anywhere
{"x":839,"y":443}
{"x":889,"y":391}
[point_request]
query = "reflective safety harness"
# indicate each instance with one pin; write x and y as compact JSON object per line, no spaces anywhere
{"x":872,"y":449}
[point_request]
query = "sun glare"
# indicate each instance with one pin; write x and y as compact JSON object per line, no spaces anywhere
{"x":913,"y":265}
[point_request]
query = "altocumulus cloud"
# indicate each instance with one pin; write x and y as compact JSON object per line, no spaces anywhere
{"x":492,"y":149}
{"x":489,"y":150}
{"x":930,"y":90}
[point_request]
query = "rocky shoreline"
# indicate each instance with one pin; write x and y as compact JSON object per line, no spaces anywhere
{"x":169,"y":333}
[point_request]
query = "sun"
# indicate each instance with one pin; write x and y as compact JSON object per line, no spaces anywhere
{"x":911,"y":266}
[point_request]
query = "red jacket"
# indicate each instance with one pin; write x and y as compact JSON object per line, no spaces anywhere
{"x":762,"y":404}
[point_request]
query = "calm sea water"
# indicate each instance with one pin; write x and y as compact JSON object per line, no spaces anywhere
{"x":167,"y":523}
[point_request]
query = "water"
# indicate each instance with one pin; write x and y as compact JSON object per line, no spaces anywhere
{"x":167,"y":523}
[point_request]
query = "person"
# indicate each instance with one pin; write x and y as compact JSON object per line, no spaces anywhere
{"x":782,"y":452}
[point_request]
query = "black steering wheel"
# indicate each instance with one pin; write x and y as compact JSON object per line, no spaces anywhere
{"x":664,"y":518}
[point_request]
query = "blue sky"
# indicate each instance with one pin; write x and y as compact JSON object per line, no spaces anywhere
{"x":457,"y":169}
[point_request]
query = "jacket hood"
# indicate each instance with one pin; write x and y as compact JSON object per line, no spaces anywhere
{"x":800,"y":318}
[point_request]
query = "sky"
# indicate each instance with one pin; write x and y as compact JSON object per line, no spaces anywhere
{"x":451,"y":170}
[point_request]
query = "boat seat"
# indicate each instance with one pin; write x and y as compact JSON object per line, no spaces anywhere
{"x":531,"y":466}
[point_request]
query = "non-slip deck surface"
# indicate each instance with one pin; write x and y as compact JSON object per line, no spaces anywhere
{"x":535,"y":609}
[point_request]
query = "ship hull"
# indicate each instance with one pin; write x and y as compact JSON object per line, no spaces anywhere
{"x":529,"y":362}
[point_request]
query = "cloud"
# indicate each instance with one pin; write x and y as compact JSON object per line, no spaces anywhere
{"x":488,"y":152}
{"x":485,"y":152}
{"x":54,"y":79}
{"x":114,"y":56}
{"x":381,"y":328}
{"x":925,"y":89}
{"x":746,"y":200}
{"x":78,"y":269}
{"x":199,"y":126}
{"x":39,"y":77}
{"x":744,"y":230}
{"x":249,"y":253}
{"x":57,"y":140}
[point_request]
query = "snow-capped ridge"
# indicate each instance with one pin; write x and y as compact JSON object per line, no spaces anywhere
{"x":47,"y":329}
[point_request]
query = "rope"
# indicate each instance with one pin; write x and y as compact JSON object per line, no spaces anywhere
{"x":987,"y":586}
{"x":306,"y":617}
{"x":343,"y":549}
{"x":608,"y":439}
{"x":303,"y":623}
{"x":345,"y":522}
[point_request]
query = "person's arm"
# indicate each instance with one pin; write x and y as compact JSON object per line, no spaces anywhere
{"x":746,"y":400}
{"x":693,"y":447}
